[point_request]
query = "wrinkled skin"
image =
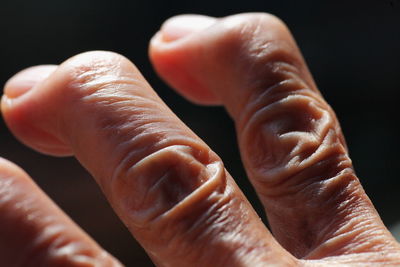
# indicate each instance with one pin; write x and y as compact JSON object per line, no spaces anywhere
{"x":167,"y":186}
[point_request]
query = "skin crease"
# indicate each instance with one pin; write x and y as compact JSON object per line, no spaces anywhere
{"x":168,"y":187}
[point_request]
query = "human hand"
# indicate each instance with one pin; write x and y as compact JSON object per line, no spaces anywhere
{"x":170,"y":190}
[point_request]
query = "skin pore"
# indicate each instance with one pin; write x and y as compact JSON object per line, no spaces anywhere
{"x":167,"y":186}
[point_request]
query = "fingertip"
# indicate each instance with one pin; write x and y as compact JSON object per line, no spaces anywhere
{"x":180,"y":26}
{"x":175,"y":68}
{"x":16,"y":87}
{"x":171,"y":53}
{"x":24,"y":80}
{"x":17,"y":104}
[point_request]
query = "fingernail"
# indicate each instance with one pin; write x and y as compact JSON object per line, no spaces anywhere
{"x":23,"y":81}
{"x":181,"y":26}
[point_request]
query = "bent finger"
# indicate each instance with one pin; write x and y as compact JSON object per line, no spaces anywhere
{"x":166,"y":185}
{"x":290,"y":140}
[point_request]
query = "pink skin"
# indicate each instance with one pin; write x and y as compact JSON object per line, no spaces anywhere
{"x":168,"y":187}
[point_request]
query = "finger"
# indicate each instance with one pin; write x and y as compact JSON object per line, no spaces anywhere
{"x":167,"y":186}
{"x":290,"y":140}
{"x":20,"y":84}
{"x":31,"y":76}
{"x":35,"y":232}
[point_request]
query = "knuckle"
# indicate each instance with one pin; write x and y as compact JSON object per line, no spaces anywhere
{"x":293,"y":138}
{"x":180,"y":194}
{"x":167,"y":184}
{"x":263,"y":19}
{"x":264,"y":54}
{"x":259,"y":37}
{"x":104,"y":85}
{"x":287,"y":132}
{"x":251,"y":22}
{"x":102,"y":72}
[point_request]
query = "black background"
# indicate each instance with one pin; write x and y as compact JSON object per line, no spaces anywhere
{"x":352,"y":48}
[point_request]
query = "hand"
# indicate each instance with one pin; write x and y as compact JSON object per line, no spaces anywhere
{"x":167,"y":186}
